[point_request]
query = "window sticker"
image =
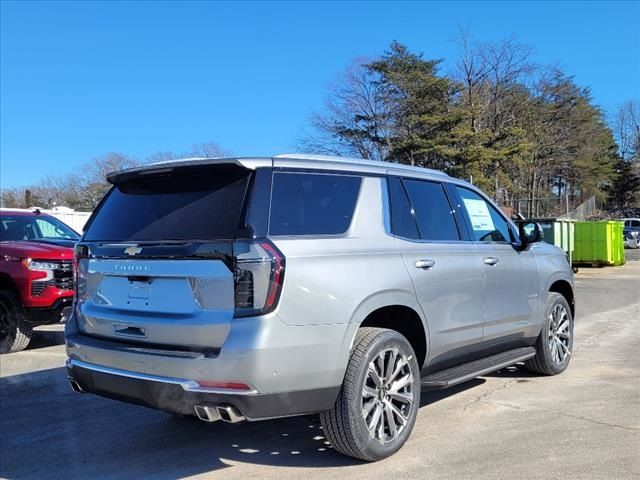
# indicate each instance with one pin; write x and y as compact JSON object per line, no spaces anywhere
{"x":479,"y":214}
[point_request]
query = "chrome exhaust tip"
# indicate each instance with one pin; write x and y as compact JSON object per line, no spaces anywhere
{"x":207,"y":414}
{"x":230,"y":414}
{"x":75,"y":386}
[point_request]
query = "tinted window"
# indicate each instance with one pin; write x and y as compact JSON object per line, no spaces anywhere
{"x":635,"y":223}
{"x":197,"y":204}
{"x":487,"y":224}
{"x":403,"y":222}
{"x":312,"y":204}
{"x":25,"y":227}
{"x":432,"y":210}
{"x":52,"y":228}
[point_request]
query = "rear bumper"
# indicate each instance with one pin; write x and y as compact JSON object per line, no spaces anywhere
{"x":56,"y":313}
{"x":290,"y":370}
{"x":181,"y":395}
{"x":260,"y":352}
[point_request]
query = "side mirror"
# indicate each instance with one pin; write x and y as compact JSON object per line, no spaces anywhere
{"x":530,"y":232}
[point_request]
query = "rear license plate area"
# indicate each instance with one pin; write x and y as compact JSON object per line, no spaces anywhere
{"x":130,"y":389}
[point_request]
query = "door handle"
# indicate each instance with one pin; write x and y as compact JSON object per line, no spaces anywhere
{"x":425,"y":264}
{"x":491,"y":261}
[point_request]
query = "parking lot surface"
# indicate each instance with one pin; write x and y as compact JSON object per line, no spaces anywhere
{"x":583,"y":424}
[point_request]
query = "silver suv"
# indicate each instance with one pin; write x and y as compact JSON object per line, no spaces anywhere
{"x":253,"y":288}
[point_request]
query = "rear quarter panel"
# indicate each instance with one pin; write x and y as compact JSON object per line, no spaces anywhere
{"x":341,"y":279}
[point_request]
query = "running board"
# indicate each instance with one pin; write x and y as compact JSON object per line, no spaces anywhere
{"x":467,"y":371}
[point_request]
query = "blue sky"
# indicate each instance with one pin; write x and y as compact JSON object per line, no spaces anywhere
{"x":82,"y":79}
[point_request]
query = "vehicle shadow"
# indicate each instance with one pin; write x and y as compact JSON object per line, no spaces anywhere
{"x":430,"y":397}
{"x":517,"y":371}
{"x":514,"y":371}
{"x":47,"y":430}
{"x":46,"y":338}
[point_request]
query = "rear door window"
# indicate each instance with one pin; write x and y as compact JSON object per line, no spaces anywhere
{"x":204,"y":203}
{"x":312,"y":203}
{"x":433,"y":212}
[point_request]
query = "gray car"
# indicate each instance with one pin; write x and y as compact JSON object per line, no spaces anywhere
{"x":631,"y":232}
{"x":254,"y":288}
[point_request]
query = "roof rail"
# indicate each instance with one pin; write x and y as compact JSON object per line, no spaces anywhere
{"x":358,"y":161}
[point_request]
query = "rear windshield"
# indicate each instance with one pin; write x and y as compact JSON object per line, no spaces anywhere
{"x":312,"y":203}
{"x":196,"y":204}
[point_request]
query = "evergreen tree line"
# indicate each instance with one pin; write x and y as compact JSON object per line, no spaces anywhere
{"x":526,"y":134}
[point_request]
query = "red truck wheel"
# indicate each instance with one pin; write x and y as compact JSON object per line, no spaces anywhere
{"x":14,"y":333}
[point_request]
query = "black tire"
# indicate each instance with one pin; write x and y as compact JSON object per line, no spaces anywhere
{"x":345,"y":426}
{"x":544,"y":362}
{"x":15,"y":334}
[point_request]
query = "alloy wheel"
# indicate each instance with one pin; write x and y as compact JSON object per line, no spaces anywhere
{"x":387,"y":395}
{"x":559,"y":338}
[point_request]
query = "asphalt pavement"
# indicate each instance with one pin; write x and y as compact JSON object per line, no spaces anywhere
{"x":583,"y":424}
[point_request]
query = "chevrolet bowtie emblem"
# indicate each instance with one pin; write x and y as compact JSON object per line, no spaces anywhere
{"x":132,"y":250}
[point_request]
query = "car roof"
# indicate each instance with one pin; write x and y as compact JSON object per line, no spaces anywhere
{"x":290,"y":160}
{"x":21,"y":212}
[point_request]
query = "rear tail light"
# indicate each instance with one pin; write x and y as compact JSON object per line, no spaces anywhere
{"x":80,"y":252}
{"x":258,"y":275}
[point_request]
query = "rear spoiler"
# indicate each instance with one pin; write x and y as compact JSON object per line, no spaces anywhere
{"x":168,"y":167}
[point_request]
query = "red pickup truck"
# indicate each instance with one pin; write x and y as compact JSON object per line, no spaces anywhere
{"x":36,"y":274}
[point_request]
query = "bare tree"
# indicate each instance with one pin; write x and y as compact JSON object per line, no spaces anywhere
{"x":356,"y":120}
{"x":492,"y":98}
{"x":502,"y":67}
{"x":10,"y":198}
{"x":626,"y":125}
{"x":97,"y":169}
{"x":624,"y":190}
{"x":60,"y":190}
{"x":207,"y":150}
{"x":200,"y":150}
{"x":92,"y":176}
{"x":471,"y":73}
{"x":161,"y":157}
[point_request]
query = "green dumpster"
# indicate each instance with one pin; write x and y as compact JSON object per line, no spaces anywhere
{"x":558,"y":232}
{"x":599,"y":243}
